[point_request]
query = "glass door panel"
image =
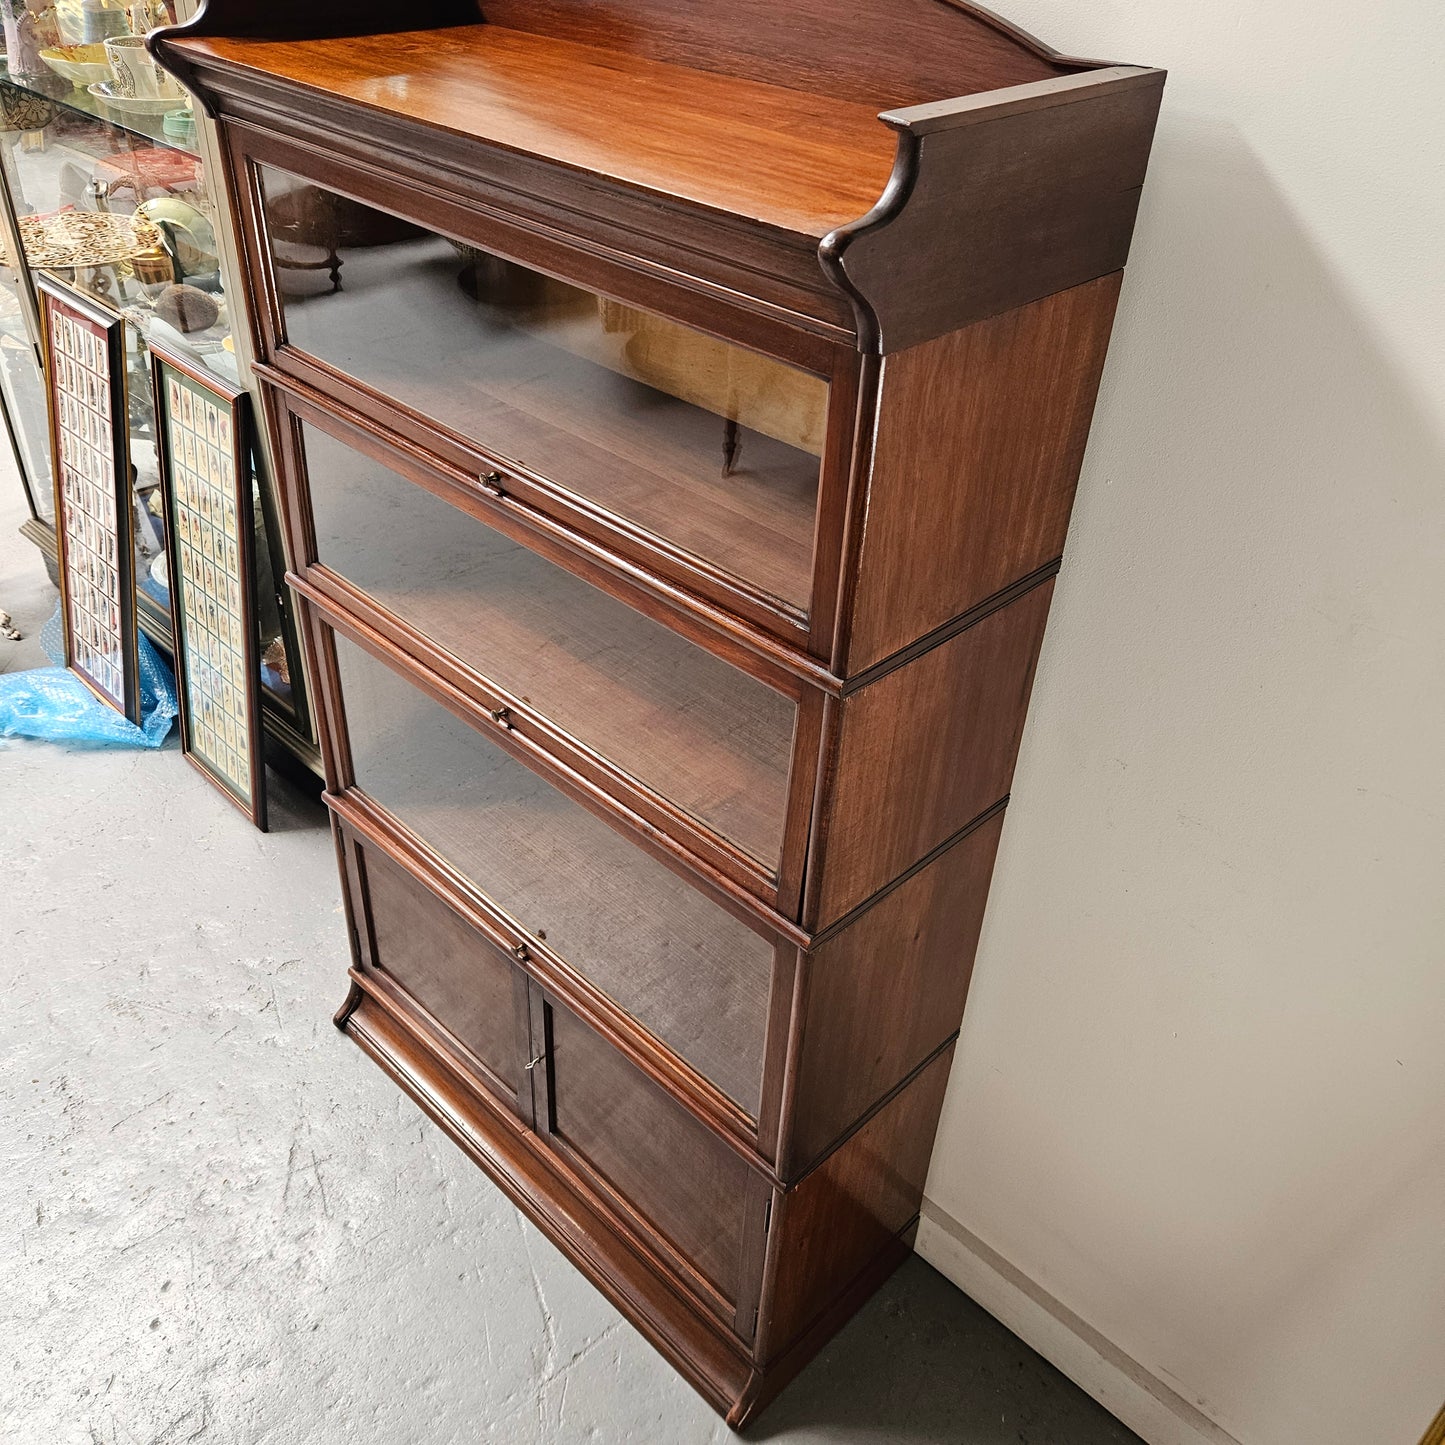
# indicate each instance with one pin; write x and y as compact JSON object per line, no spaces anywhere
{"x":693,"y":975}
{"x":710,"y":448}
{"x":24,"y":396}
{"x":713,"y":740}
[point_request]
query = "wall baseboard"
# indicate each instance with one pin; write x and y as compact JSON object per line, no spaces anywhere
{"x":1119,"y":1383}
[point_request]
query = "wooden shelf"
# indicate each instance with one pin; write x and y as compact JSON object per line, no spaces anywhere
{"x":689,"y":972}
{"x":799,"y":163}
{"x":710,"y":739}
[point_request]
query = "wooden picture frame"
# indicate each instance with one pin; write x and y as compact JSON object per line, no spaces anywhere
{"x":203,"y":445}
{"x":86,"y":402}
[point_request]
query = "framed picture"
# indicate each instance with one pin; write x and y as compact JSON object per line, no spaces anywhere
{"x":203,"y":439}
{"x":85,"y":389}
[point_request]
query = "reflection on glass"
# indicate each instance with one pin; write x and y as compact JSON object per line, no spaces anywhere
{"x":692,"y":974}
{"x":274,"y":641}
{"x":119,"y":211}
{"x":709,"y":447}
{"x":24,"y":386}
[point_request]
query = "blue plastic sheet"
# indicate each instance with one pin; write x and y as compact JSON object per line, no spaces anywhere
{"x":50,"y":702}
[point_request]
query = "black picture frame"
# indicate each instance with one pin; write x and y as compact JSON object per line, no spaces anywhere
{"x":204,"y":445}
{"x":86,"y":403}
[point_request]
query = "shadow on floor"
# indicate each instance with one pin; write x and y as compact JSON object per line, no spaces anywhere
{"x":923,"y":1364}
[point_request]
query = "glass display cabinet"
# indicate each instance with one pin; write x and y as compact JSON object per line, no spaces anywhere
{"x":115,"y":197}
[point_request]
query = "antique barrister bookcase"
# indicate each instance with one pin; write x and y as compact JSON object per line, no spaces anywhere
{"x":677,"y":458}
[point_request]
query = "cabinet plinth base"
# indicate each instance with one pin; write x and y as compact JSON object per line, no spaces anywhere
{"x":712,"y":1360}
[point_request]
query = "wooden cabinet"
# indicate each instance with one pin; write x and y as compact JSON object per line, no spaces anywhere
{"x":676,"y":463}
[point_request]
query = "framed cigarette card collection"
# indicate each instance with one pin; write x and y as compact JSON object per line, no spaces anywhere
{"x":203,"y":442}
{"x":86,"y":398}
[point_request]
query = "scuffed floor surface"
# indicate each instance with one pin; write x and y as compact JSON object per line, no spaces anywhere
{"x":219,"y":1222}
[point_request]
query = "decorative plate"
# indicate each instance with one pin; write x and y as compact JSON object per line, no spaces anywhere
{"x":81,"y":65}
{"x":150,"y":105}
{"x":83,"y":238}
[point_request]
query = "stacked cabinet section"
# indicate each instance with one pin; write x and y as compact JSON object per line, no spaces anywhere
{"x":674,"y":620}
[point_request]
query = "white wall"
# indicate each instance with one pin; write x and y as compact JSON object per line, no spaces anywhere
{"x":1200,"y":1094}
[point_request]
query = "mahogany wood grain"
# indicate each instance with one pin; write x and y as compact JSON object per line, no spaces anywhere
{"x":765,"y":1384}
{"x":832,"y":1226}
{"x":979,"y":440}
{"x":358,"y":926}
{"x":951,"y":46}
{"x":797,"y":163}
{"x":886,"y":991}
{"x":999,"y":200}
{"x":920,"y":753}
{"x":873,"y":52}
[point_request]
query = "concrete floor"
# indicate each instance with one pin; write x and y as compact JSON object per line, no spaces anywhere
{"x":219,"y":1221}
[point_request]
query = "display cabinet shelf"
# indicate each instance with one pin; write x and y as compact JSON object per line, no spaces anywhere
{"x":67,"y":151}
{"x":678,"y":414}
{"x":147,"y":130}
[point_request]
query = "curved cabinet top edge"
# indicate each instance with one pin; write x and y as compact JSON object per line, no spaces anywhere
{"x":995,"y":198}
{"x":995,"y":201}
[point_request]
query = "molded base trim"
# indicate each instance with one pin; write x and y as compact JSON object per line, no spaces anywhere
{"x":713,"y":1362}
{"x":539,"y":1186}
{"x":767,"y":1384}
{"x":1119,"y":1383}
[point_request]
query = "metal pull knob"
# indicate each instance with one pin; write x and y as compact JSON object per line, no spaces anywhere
{"x":535,"y":1062}
{"x":502,"y":716}
{"x":521,"y":952}
{"x":491,"y":483}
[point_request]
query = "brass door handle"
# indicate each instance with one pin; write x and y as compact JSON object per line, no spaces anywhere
{"x":534,"y":1063}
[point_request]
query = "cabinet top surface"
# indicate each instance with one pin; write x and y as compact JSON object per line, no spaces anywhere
{"x":798,"y":162}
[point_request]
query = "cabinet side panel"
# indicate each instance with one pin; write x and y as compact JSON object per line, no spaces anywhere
{"x":850,"y":1209}
{"x":924,"y":751}
{"x":980,"y":439}
{"x":888,"y":991}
